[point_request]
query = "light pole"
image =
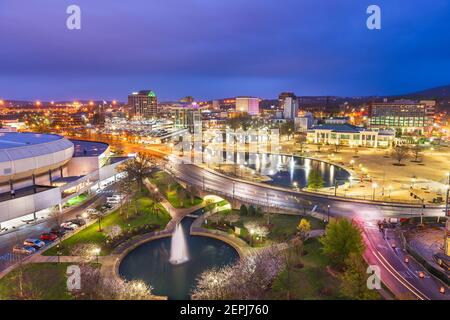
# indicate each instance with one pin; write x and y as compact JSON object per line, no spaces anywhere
{"x":251,"y":237}
{"x":374,"y":187}
{"x":328,"y":213}
{"x":447,"y":223}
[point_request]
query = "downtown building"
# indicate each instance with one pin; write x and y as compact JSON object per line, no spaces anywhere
{"x":249,"y":105}
{"x":39,"y":172}
{"x":288,"y":102}
{"x":187,"y":118}
{"x":143,"y":104}
{"x":350,"y":135}
{"x":403,"y":115}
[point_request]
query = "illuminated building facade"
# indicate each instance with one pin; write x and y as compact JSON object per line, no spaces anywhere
{"x":143,"y":104}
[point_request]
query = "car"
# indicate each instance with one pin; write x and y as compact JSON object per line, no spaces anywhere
{"x":69,"y":225}
{"x":58,"y":231}
{"x":35,"y":243}
{"x":24,"y":250}
{"x":48,"y":236}
{"x":78,"y":221}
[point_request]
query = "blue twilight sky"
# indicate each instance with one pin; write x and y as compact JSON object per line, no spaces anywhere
{"x":220,"y":48}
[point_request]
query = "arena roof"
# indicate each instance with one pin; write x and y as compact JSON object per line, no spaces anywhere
{"x":14,"y":139}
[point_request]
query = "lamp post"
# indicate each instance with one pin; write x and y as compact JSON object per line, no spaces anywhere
{"x":447,"y":223}
{"x":328,"y":213}
{"x":374,"y":187}
{"x":96,"y":252}
{"x":251,"y":237}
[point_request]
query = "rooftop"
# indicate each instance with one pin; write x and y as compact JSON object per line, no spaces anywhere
{"x":83,"y":148}
{"x":346,"y":127}
{"x":10,"y":140}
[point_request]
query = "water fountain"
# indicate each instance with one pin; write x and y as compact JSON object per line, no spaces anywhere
{"x":178,"y":251}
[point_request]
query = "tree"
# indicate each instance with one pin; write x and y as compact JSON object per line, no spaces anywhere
{"x":315,"y":179}
{"x":301,"y":142}
{"x":248,"y":279}
{"x":337,"y":147}
{"x":95,"y":287}
{"x":138,"y":168}
{"x":192,"y":192}
{"x":354,"y":279}
{"x":181,"y":196}
{"x":342,"y":238}
{"x":243,"y":210}
{"x":416,"y":151}
{"x":303,"y":228}
{"x":287,"y":128}
{"x":400,"y":153}
{"x":231,"y":218}
{"x":209,"y":205}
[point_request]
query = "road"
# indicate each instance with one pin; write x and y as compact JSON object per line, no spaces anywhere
{"x":400,"y":277}
{"x":8,"y":240}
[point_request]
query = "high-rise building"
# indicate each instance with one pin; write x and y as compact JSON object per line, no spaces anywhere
{"x":187,"y":118}
{"x":143,"y":104}
{"x":403,"y":115}
{"x":248,"y":105}
{"x":289,"y":103}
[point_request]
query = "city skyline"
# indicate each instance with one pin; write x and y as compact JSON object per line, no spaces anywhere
{"x":211,"y":50}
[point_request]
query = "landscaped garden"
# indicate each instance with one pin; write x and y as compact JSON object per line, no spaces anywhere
{"x":178,"y":196}
{"x":36,"y":281}
{"x":140,"y":215}
{"x":256,"y":227}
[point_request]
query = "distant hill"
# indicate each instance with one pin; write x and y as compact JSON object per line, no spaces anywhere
{"x":442,"y":92}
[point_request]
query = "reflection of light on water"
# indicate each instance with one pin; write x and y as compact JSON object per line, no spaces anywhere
{"x":307,"y":167}
{"x":331,"y":174}
{"x":292,"y":168}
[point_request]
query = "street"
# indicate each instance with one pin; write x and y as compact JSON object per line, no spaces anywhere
{"x":401,"y":279}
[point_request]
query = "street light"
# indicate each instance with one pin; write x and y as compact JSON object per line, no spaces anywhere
{"x":96,"y":252}
{"x":328,"y":213}
{"x":251,"y":237}
{"x":374,"y":187}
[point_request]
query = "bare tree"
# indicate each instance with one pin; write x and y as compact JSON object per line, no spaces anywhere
{"x":416,"y":151}
{"x":337,"y":147}
{"x":400,"y":153}
{"x":138,"y":168}
{"x":301,"y":142}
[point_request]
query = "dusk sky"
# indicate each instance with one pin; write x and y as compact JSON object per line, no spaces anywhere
{"x":221,"y":48}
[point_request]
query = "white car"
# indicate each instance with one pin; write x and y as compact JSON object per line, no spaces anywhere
{"x":69,"y":226}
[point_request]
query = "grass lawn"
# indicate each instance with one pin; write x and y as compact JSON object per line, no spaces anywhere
{"x":76,"y":200}
{"x":91,"y":234}
{"x":313,"y":281}
{"x":42,"y":281}
{"x":161,"y":179}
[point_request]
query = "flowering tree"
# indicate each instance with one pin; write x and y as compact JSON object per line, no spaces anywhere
{"x":86,"y":251}
{"x":304,"y":227}
{"x":248,"y":279}
{"x":95,"y":287}
{"x":113,"y":231}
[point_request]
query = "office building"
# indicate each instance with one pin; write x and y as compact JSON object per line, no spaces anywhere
{"x":143,"y":104}
{"x":289,"y":103}
{"x":248,"y":105}
{"x":402,"y":115}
